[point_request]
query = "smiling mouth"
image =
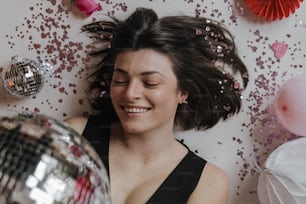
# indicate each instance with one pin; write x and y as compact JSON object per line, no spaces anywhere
{"x":135,"y":109}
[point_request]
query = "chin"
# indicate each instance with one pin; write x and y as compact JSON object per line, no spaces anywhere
{"x":132,"y":128}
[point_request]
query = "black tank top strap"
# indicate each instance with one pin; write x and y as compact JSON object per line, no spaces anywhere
{"x":97,"y":132}
{"x":181,"y":182}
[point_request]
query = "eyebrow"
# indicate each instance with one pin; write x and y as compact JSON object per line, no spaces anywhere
{"x":143,"y":73}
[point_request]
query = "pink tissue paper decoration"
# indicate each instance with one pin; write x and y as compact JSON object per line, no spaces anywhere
{"x":87,"y":6}
{"x":279,"y":49}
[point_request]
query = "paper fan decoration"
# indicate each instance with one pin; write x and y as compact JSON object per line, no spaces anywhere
{"x":283,"y":179}
{"x":273,"y":9}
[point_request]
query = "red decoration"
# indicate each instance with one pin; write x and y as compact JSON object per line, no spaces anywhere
{"x":83,"y":190}
{"x":76,"y":151}
{"x":273,"y":9}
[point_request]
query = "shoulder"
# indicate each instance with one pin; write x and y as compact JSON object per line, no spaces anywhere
{"x":77,"y":123}
{"x":212,"y":187}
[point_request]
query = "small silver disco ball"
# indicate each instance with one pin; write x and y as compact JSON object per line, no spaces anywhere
{"x":43,"y":161}
{"x":24,"y":77}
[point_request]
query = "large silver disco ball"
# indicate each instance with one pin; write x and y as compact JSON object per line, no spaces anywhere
{"x":24,"y":77}
{"x":43,"y":161}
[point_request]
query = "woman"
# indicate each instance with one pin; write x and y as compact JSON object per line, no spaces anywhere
{"x":156,"y":74}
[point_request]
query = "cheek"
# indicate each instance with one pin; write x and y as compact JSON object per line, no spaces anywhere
{"x":165,"y":97}
{"x":115,"y":93}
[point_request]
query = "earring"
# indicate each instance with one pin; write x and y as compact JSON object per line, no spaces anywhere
{"x":184,"y":102}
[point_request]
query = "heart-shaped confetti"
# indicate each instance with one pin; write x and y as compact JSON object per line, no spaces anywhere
{"x":279,"y":49}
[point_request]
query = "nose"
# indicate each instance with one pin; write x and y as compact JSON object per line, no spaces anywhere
{"x":133,"y":90}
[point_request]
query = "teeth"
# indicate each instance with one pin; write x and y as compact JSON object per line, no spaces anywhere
{"x":135,"y":110}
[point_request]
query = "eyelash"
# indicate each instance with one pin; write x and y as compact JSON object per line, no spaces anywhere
{"x":150,"y":85}
{"x":118,"y":82}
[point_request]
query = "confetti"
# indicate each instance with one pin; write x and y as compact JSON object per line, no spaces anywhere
{"x":279,"y":49}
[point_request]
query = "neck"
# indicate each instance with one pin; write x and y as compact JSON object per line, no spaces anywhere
{"x":146,"y":145}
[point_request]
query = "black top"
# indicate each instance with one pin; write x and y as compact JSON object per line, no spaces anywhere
{"x":175,"y":189}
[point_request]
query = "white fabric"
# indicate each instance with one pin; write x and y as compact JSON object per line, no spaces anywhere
{"x":283,"y":179}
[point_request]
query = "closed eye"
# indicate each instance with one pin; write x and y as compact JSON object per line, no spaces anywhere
{"x":151,"y":85}
{"x":120,"y":77}
{"x":120,"y":82}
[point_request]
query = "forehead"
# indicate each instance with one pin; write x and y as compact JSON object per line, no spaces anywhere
{"x":144,"y":60}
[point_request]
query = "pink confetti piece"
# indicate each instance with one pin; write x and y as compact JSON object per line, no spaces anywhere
{"x":198,"y":31}
{"x":279,"y":49}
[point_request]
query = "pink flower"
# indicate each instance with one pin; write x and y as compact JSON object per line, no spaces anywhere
{"x":87,"y":6}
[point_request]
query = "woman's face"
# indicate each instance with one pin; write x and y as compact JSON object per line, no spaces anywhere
{"x":144,"y":91}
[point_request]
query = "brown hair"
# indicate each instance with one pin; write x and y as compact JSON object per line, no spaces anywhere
{"x":195,"y":45}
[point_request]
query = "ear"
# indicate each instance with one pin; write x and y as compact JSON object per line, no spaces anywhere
{"x":183,"y":96}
